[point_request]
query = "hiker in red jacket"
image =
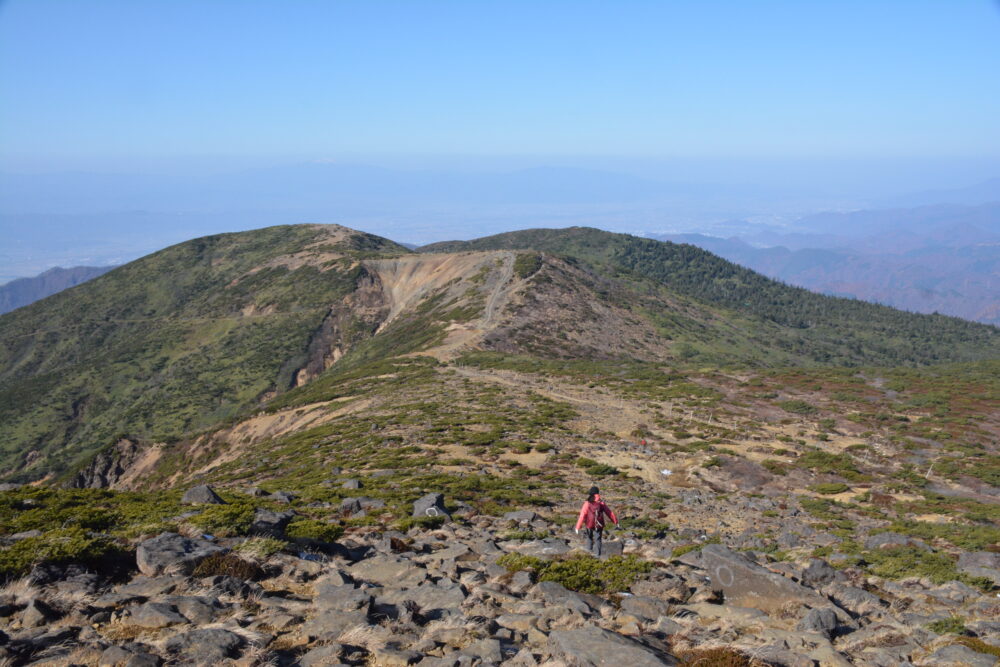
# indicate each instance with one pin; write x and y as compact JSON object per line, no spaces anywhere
{"x":592,"y":515}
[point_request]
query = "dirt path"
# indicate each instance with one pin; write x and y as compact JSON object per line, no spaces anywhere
{"x":499,"y":291}
{"x":597,"y":409}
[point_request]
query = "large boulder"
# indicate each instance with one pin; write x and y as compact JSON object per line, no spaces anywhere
{"x":328,"y":625}
{"x":170,"y":551}
{"x":434,"y":599}
{"x":202,"y":494}
{"x":981,"y":564}
{"x":430,"y":505}
{"x":747,"y":584}
{"x":822,"y":621}
{"x":555,"y":594}
{"x":156,"y":615}
{"x":520,"y":516}
{"x":388,"y":570}
{"x":270,"y":524}
{"x":546,"y":548}
{"x":596,"y":647}
{"x":205,"y":646}
{"x":957,"y":655}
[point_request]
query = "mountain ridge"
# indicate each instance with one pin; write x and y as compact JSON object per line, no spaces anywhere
{"x":201,"y":332}
{"x":23,"y":291}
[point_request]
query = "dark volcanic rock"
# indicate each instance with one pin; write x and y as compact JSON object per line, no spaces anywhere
{"x":202,"y":494}
{"x":823,"y":621}
{"x":430,"y":505}
{"x":596,"y":647}
{"x":156,"y":615}
{"x":747,"y":584}
{"x":205,"y":646}
{"x":981,"y":564}
{"x":169,"y":551}
{"x":270,"y":524}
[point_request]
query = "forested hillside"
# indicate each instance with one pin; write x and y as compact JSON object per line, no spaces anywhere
{"x":171,"y":343}
{"x":833,"y":330}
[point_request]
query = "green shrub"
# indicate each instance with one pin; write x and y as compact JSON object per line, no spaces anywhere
{"x":836,"y":464}
{"x":228,"y":565}
{"x":314,"y":530}
{"x":954,"y":625}
{"x":526,"y":264}
{"x":65,"y":545}
{"x":898,"y":562}
{"x":688,"y":548}
{"x":775,"y":467}
{"x":973,"y":538}
{"x":523,"y":535}
{"x":582,"y":573}
{"x":978,"y":645}
{"x":595,"y":469}
{"x":225,"y":520}
{"x":798,"y":406}
{"x":830,"y":488}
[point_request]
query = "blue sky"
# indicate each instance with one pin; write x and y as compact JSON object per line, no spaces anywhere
{"x":99,"y":82}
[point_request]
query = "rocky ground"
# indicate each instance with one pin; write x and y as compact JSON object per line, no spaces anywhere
{"x":470,"y":589}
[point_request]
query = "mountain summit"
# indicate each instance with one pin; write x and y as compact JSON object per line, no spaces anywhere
{"x":176,"y":342}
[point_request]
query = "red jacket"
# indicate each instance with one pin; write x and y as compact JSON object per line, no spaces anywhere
{"x":593,"y":513}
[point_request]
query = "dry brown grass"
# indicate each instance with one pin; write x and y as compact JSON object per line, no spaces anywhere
{"x":717,"y":657}
{"x":20,"y":590}
{"x":369,"y":637}
{"x":80,"y":656}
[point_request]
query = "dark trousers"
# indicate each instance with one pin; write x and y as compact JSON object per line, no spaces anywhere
{"x":594,"y":539}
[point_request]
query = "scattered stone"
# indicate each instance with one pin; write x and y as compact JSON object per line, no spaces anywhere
{"x":155,"y":615}
{"x":202,"y":494}
{"x":747,"y":584}
{"x":981,"y":564}
{"x":520,"y":516}
{"x":555,"y":594}
{"x":823,"y":621}
{"x":282,"y":497}
{"x":205,"y":646}
{"x":351,"y":484}
{"x":883,"y":540}
{"x":645,"y":608}
{"x":37,"y":614}
{"x":547,"y":548}
{"x":430,"y":505}
{"x":957,"y":655}
{"x":322,"y":656}
{"x":329,"y":624}
{"x":486,"y":650}
{"x":819,"y":573}
{"x":270,"y":524}
{"x":385,"y":569}
{"x":170,"y":551}
{"x":596,"y":647}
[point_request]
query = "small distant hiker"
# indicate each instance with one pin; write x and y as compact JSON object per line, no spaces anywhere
{"x":592,"y":516}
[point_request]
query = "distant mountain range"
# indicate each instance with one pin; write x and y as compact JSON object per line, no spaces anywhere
{"x":23,"y":291}
{"x":943,"y":258}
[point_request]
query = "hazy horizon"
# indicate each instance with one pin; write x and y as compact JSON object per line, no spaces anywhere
{"x":133,"y":125}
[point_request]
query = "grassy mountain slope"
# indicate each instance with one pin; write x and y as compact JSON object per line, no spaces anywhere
{"x":205,"y":332}
{"x":812,"y":327}
{"x":171,"y":343}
